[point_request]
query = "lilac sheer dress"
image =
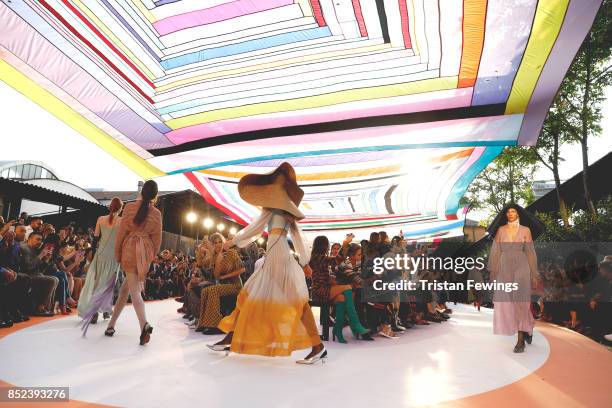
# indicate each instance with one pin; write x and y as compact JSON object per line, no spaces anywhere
{"x":513,"y":260}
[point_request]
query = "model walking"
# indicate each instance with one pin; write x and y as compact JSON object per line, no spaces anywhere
{"x":137,"y":242}
{"x":97,"y":293}
{"x":513,"y":260}
{"x":272,"y":315}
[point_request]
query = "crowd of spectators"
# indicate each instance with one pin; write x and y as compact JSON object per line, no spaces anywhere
{"x":42,"y":271}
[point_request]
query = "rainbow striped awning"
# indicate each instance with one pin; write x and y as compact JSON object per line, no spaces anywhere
{"x":386,"y":108}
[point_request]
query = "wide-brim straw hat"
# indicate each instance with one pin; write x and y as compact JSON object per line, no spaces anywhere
{"x":278,"y":189}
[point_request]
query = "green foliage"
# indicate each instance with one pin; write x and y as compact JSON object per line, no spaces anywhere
{"x":583,"y":228}
{"x":507,"y":179}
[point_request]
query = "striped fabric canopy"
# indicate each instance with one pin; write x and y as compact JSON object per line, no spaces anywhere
{"x":387,"y":109}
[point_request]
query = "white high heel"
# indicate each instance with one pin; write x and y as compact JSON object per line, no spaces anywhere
{"x":320,"y":356}
{"x":219,"y":347}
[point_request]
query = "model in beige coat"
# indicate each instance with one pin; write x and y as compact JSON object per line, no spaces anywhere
{"x":137,"y":242}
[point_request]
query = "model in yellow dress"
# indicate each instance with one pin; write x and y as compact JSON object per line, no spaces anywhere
{"x":272,"y":315}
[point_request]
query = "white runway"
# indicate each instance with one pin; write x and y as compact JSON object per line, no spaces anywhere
{"x":428,"y":364}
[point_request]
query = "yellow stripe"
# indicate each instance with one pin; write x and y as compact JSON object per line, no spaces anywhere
{"x":308,"y":102}
{"x":546,"y":26}
{"x":305,"y":6}
{"x":66,"y":114}
{"x":345,"y":173}
{"x":315,"y":176}
{"x":268,"y":65}
{"x":117,"y":42}
{"x":144,"y":11}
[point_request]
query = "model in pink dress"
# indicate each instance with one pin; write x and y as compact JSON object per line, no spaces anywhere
{"x":137,"y":242}
{"x":513,"y":260}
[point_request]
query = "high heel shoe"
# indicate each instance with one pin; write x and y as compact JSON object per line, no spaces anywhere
{"x":145,"y":335}
{"x":94,"y":319}
{"x":320,"y":356}
{"x":110,"y":331}
{"x":339,"y":323}
{"x":519,"y":348}
{"x":219,"y":347}
{"x":528,"y":337}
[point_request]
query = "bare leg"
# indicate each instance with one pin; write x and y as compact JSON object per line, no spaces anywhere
{"x":135,"y":294}
{"x":121,"y":301}
{"x":311,"y":328}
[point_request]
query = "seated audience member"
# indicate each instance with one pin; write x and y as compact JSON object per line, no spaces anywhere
{"x":55,"y":267}
{"x":325,"y":288}
{"x":598,"y":316}
{"x":14,"y":297}
{"x":9,"y":250}
{"x":34,"y":224}
{"x":227,"y":268}
{"x":33,"y":262}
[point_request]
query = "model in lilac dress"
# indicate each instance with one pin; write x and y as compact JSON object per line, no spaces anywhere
{"x":513,"y":260}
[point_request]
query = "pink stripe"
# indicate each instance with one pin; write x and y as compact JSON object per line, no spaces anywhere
{"x":363,"y":31}
{"x":318,"y":13}
{"x":404,"y":17}
{"x":221,"y":198}
{"x":428,"y":101}
{"x":215,"y":14}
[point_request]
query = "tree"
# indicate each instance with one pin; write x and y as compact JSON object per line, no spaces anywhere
{"x":507,"y":179}
{"x":582,"y":90}
{"x":547,"y":150}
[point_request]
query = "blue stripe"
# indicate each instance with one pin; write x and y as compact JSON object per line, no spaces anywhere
{"x":458,"y":190}
{"x":246,"y":46}
{"x":500,"y":143}
{"x":456,"y":224}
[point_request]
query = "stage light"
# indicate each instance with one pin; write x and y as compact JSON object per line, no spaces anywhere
{"x":260,"y":241}
{"x":191,"y":217}
{"x":233,"y":231}
{"x":220,"y":227}
{"x":208,"y":223}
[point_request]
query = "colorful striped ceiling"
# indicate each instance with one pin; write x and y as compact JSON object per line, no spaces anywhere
{"x":386,"y":108}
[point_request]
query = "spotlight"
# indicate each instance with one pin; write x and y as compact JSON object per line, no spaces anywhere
{"x":260,"y":241}
{"x":220,"y":227}
{"x":233,"y":231}
{"x":191,"y":217}
{"x":208,"y":223}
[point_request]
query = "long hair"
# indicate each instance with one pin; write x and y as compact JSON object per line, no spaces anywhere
{"x":114,"y":207}
{"x":148,"y":194}
{"x":320,"y":246}
{"x":526,"y":219}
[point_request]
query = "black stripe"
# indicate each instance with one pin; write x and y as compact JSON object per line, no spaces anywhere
{"x":351,"y":203}
{"x":382,"y":16}
{"x":388,"y":199}
{"x":347,"y":124}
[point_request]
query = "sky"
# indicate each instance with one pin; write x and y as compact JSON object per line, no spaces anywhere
{"x":31,"y":133}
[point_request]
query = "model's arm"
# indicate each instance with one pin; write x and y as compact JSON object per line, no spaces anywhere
{"x":121,"y":234}
{"x":531,"y":254}
{"x":495,"y":255}
{"x":251,"y":232}
{"x":156,"y":236}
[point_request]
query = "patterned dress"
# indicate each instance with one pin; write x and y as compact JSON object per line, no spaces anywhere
{"x":210,"y":296}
